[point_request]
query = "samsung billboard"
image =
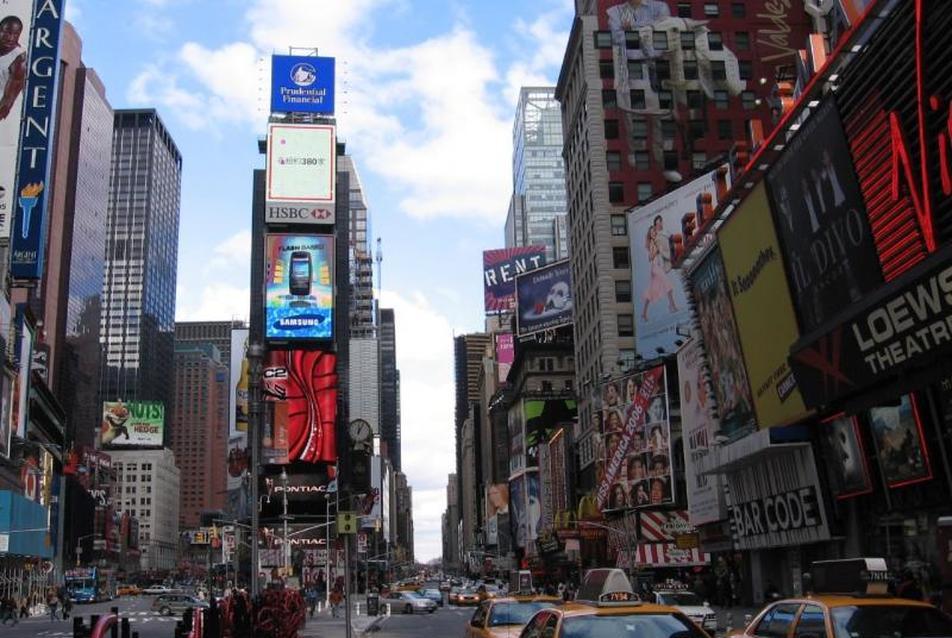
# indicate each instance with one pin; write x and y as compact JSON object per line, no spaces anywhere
{"x":299,"y":287}
{"x":302,"y":84}
{"x":301,"y":174}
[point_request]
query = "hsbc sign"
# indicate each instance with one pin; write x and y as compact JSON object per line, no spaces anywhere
{"x":284,"y":214}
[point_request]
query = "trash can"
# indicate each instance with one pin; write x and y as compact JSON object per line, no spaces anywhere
{"x":373,"y":604}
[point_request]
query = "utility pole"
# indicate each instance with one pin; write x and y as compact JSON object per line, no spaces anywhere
{"x":347,"y":601}
{"x":285,"y":547}
{"x":255,"y":356}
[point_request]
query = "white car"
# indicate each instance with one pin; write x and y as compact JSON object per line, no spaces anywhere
{"x":407,"y":602}
{"x":159,"y":589}
{"x":691,"y":605}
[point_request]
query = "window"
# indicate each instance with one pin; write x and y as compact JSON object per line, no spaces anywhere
{"x":626,"y":326}
{"x":718,"y":70}
{"x":606,"y":69}
{"x":639,"y":129}
{"x":637,"y":98}
{"x":660,"y":40}
{"x":603,"y":39}
{"x":697,"y":129}
{"x":738,"y":10}
{"x":644,"y":191}
{"x":623,"y":291}
{"x":745,"y":69}
{"x":619,"y":225}
{"x":662,"y":70}
{"x":665,"y":99}
{"x":695,"y":100}
{"x":684,"y":9}
{"x":616,"y":192}
{"x":698,"y":160}
{"x":620,"y":257}
{"x":711,"y":10}
{"x":690,"y":69}
{"x":742,"y":41}
{"x":720,"y":99}
{"x":725,"y":131}
{"x":687,"y":40}
{"x":748,"y":100}
{"x":714,"y":41}
{"x":611,"y":129}
{"x":632,"y":40}
{"x":777,"y":621}
{"x":609,"y":98}
{"x":613,"y":160}
{"x":811,"y":622}
{"x":642,"y":160}
{"x":670,"y":160}
{"x":669,"y":129}
{"x":635,"y":70}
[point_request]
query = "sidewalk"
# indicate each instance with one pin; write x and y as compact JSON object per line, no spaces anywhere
{"x":324,"y":625}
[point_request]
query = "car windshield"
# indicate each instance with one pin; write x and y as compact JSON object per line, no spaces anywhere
{"x":892,"y":621}
{"x":514,"y":613}
{"x":686,"y":599}
{"x":632,"y":626}
{"x":411,"y":594}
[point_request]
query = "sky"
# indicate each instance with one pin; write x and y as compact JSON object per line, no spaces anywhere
{"x":426,"y":99}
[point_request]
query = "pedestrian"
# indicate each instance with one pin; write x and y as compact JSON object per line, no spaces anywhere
{"x":8,"y":610}
{"x":24,"y":612}
{"x":336,"y":598}
{"x":53,"y":603}
{"x":67,"y":607}
{"x":311,"y":600}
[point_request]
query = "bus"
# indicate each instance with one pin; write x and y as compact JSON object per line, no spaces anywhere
{"x":90,"y":584}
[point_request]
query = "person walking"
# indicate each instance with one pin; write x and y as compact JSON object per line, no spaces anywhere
{"x":67,"y":606}
{"x":336,"y":599}
{"x":53,"y":603}
{"x":8,"y":611}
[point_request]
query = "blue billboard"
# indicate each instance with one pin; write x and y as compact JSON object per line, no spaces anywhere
{"x":302,"y":84}
{"x":36,"y":139}
{"x":544,"y":299}
{"x":299,"y":287}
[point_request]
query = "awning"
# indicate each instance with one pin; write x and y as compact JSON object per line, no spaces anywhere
{"x":757,"y":447}
{"x":664,"y":555}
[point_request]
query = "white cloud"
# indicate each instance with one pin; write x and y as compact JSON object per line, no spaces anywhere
{"x":218,"y":301}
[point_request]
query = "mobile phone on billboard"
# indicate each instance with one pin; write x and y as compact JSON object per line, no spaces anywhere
{"x":300,"y":280}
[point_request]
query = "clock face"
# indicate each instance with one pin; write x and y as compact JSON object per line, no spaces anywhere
{"x":360,"y":430}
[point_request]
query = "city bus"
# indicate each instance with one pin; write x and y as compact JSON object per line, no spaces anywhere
{"x":90,"y":584}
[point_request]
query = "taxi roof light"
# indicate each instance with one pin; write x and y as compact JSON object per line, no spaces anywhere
{"x":607,"y":588}
{"x":853,"y":576}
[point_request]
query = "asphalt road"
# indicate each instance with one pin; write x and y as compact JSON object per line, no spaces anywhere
{"x":445,"y":622}
{"x":149,"y":624}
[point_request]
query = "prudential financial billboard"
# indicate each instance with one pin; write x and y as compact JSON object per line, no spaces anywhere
{"x":301,"y":174}
{"x":302,"y":84}
{"x":299,"y":287}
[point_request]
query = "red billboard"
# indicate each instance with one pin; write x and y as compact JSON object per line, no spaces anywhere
{"x":302,"y":385}
{"x":500,"y":268}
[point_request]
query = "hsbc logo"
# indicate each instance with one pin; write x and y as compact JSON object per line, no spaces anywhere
{"x":305,"y":214}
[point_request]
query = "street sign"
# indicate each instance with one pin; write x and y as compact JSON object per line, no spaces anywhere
{"x":362,"y":543}
{"x":346,"y":523}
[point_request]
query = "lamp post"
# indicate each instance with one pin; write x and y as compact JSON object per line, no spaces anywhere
{"x":285,"y":547}
{"x":255,"y":356}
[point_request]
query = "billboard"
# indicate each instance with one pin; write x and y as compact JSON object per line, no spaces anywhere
{"x":517,"y":509}
{"x":132,"y":424}
{"x":500,"y":268}
{"x":544,"y":299}
{"x":16,"y":18}
{"x":636,"y":470}
{"x":517,"y":439}
{"x":302,"y":84}
{"x":542,"y":419}
{"x":820,"y":216}
{"x":762,"y":309}
{"x":505,"y":354}
{"x":708,"y":288}
{"x":238,"y":387}
{"x":845,"y":457}
{"x":21,"y":384}
{"x":301,"y":174}
{"x":299,"y":287}
{"x":658,"y":232}
{"x":699,"y":427}
{"x":302,"y":388}
{"x":900,"y":445}
{"x":28,"y":238}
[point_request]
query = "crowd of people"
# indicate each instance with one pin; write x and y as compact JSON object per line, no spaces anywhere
{"x":58,"y":605}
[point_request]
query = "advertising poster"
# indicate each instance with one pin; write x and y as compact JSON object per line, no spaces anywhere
{"x":762,"y":309}
{"x":719,"y":335}
{"x":238,"y":387}
{"x":542,"y":419}
{"x":517,"y":509}
{"x":505,"y":354}
{"x":658,"y":232}
{"x":699,"y":426}
{"x":31,"y":193}
{"x":132,"y":424}
{"x":6,"y":394}
{"x":845,"y":457}
{"x":299,"y":287}
{"x":301,"y":174}
{"x":497,"y":499}
{"x":16,"y":17}
{"x":302,"y":84}
{"x":302,"y":385}
{"x":517,"y":439}
{"x":637,"y":469}
{"x":544,"y":299}
{"x":533,"y":506}
{"x":821,"y":219}
{"x":500,"y":268}
{"x":897,"y":433}
{"x":21,"y":389}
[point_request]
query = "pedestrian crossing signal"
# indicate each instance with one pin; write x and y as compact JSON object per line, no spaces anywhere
{"x":346,"y":523}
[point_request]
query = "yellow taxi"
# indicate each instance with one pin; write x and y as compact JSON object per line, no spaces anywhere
{"x":606,"y":607}
{"x":848,"y":599}
{"x":505,"y":617}
{"x":128,"y":590}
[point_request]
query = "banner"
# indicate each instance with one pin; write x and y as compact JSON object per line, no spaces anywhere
{"x":500,"y":268}
{"x":517,"y":509}
{"x":132,"y":424}
{"x":542,"y":419}
{"x":699,"y":427}
{"x":897,"y":433}
{"x":725,"y":361}
{"x":302,"y":84}
{"x":21,"y":387}
{"x":762,"y":309}
{"x":299,"y":287}
{"x":517,"y":439}
{"x":637,"y":451}
{"x":658,"y":232}
{"x":845,"y":457}
{"x":28,"y":240}
{"x":544,"y":299}
{"x":505,"y":354}
{"x":238,"y":387}
{"x":15,"y":21}
{"x":301,"y":174}
{"x":821,"y":218}
{"x":497,"y":499}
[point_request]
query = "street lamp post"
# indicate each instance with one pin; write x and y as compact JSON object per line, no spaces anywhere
{"x":285,"y":547}
{"x":255,"y":356}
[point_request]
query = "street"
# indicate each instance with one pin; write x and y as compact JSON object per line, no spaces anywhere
{"x":446,"y":621}
{"x":148,"y":623}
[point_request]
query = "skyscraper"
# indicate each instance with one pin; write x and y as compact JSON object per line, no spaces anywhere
{"x":360,"y":254}
{"x":538,"y":174}
{"x":138,"y":318}
{"x":389,"y":387}
{"x":217,"y":333}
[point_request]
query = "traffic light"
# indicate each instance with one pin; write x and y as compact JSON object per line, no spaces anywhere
{"x":346,"y":523}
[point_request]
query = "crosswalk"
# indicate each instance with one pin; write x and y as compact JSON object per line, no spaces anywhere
{"x":133,"y":616}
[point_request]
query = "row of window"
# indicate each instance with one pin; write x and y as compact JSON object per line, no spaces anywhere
{"x":641,"y":160}
{"x":687,"y":40}
{"x":690,"y":70}
{"x":696,"y":129}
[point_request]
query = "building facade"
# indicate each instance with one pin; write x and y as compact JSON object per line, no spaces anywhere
{"x":217,"y":333}
{"x":360,"y":253}
{"x":389,"y":387}
{"x":138,"y":317}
